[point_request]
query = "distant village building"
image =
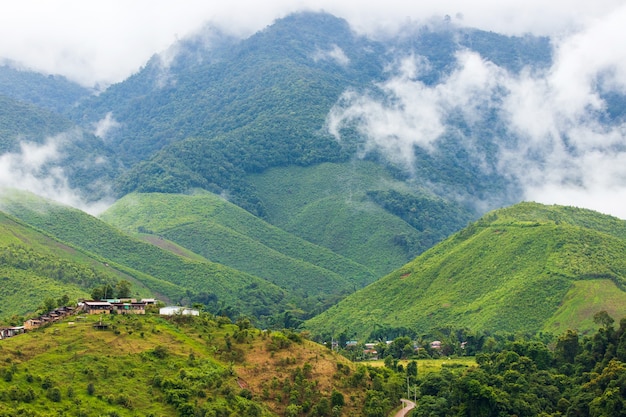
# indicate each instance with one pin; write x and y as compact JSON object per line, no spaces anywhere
{"x":178,"y":310}
{"x":130,"y":308}
{"x":6,"y":332}
{"x":97,"y":307}
{"x":31,"y":324}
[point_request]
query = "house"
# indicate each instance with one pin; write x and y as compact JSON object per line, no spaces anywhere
{"x":178,"y":310}
{"x":31,"y":324}
{"x":435,"y":345}
{"x":97,"y":307}
{"x":130,"y":308}
{"x":6,"y":332}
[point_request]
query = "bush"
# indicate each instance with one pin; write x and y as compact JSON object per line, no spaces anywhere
{"x":160,"y":352}
{"x":54,"y":394}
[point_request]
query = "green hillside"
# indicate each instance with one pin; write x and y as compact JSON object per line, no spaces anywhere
{"x":183,"y":366}
{"x":35,"y":267}
{"x":358,"y":209}
{"x":169,"y":275}
{"x":20,"y":120}
{"x":224,"y":233}
{"x":527,"y":268}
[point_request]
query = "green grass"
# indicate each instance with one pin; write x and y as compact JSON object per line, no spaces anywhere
{"x":583,"y":300}
{"x":426,"y":366}
{"x":120,"y":365}
{"x":145,"y":365}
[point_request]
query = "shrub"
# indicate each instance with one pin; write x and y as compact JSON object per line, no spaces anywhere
{"x":160,"y":352}
{"x":54,"y":394}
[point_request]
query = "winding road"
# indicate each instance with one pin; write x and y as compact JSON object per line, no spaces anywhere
{"x":407,"y":405}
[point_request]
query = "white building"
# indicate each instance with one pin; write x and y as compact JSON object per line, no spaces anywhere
{"x":174,"y":310}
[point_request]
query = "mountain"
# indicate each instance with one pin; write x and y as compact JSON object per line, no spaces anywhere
{"x":527,"y":268}
{"x":359,"y":210}
{"x":45,"y":146}
{"x":34,"y":267}
{"x":211,"y":110}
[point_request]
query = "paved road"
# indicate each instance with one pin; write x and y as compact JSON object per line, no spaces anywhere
{"x":407,"y":405}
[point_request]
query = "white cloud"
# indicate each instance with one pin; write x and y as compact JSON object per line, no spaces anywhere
{"x":562,"y":151}
{"x":105,"y":125}
{"x":335,"y":54}
{"x":412,"y":113}
{"x":105,"y":41}
{"x":33,"y":169}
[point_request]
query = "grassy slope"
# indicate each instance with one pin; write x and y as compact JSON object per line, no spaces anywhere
{"x":500,"y":273}
{"x":327,"y":205}
{"x":222,"y":232}
{"x":199,"y":367}
{"x":25,"y":285}
{"x":164,"y":272}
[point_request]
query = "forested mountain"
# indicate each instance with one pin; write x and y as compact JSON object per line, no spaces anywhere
{"x":529,"y":268}
{"x":52,"y":92}
{"x":220,"y":109}
{"x":312,"y":275}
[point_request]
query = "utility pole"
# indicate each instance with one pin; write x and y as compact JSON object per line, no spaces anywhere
{"x":408,"y":394}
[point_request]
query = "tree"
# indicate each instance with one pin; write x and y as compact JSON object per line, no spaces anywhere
{"x":123,"y":289}
{"x":603,"y":320}
{"x":336,"y":399}
{"x":567,"y":347}
{"x":64,"y":300}
{"x":411,"y":370}
{"x":49,"y":304}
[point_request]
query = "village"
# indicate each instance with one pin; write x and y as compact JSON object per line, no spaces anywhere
{"x":107,"y":306}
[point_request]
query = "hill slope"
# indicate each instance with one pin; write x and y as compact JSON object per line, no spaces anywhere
{"x":34,"y":267}
{"x":360,"y":210}
{"x":527,"y":268}
{"x":179,"y":278}
{"x":222,"y":232}
{"x":148,"y":365}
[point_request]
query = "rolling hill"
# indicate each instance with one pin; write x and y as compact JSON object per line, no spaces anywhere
{"x":180,"y":277}
{"x":527,"y":268}
{"x":224,"y":233}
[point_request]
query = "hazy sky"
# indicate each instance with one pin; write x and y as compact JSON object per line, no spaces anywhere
{"x":556,"y":113}
{"x":105,"y":41}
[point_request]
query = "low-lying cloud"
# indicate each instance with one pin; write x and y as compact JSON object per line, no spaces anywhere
{"x":36,"y":168}
{"x":558,"y":142}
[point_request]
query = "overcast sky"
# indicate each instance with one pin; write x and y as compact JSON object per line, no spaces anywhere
{"x":105,"y":41}
{"x":552,"y":113}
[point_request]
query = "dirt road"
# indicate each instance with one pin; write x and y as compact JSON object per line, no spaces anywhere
{"x":407,"y":405}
